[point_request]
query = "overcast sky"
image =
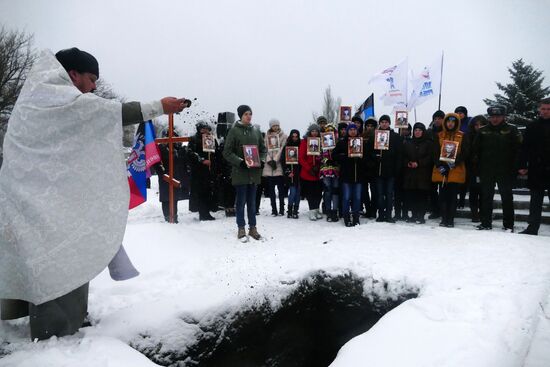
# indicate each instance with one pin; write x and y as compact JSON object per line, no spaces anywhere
{"x":279,"y":56}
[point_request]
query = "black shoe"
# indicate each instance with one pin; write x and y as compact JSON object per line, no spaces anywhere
{"x":390,"y":220}
{"x":289,"y":212}
{"x":530,"y":231}
{"x":483,"y":227}
{"x":420,"y":221}
{"x":206,"y":217}
{"x":380,"y":219}
{"x":356,"y":220}
{"x":282,"y":210}
{"x":434,"y":216}
{"x":397,"y":217}
{"x":450,"y":225}
{"x":347,"y":221}
{"x":475,"y":218}
{"x":410,"y":220}
{"x":274,"y":212}
{"x":508,"y":229}
{"x":443,"y":224}
{"x":295,"y":212}
{"x":229,"y":212}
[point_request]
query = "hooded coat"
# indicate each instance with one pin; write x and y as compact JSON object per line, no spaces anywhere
{"x":419,"y":150}
{"x":458,"y":173}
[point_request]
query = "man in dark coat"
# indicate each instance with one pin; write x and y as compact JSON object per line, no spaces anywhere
{"x":535,"y":162}
{"x":369,"y":196}
{"x":496,"y":153}
{"x":203,"y":171}
{"x":432,"y":134}
{"x":388,"y":166}
{"x":180,"y":173}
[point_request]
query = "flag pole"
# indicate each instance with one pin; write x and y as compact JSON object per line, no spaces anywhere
{"x":440,"y":81}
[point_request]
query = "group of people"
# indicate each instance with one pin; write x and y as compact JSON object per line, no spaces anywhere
{"x":420,"y":170}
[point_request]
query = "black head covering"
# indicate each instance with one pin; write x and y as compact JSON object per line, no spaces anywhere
{"x":437,"y":114}
{"x":75,"y":59}
{"x":289,"y":140}
{"x":242,"y":109}
{"x":461,"y":109}
{"x":384,"y":118}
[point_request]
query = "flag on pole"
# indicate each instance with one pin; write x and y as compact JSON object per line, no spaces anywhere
{"x":366,"y":109}
{"x":427,"y":83}
{"x":394,"y":79}
{"x":144,"y":155}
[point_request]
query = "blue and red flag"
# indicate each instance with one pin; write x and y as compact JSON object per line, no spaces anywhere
{"x":144,"y":155}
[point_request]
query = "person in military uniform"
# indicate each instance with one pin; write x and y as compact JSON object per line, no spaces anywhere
{"x":496,"y":154}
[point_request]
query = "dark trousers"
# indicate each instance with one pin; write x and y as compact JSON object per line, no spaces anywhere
{"x":400,"y":202}
{"x":385,"y":190}
{"x":418,"y":203}
{"x":535,"y":206}
{"x":60,"y":317}
{"x":434,"y":199}
{"x":506,"y":196}
{"x":260,"y":190}
{"x":474,"y":198}
{"x":369,"y":197}
{"x":313,"y":191}
{"x":272,"y":182}
{"x":448,"y":193}
{"x":246,"y":195}
{"x":166,"y":210}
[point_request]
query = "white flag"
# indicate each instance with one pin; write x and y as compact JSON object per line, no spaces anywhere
{"x":426,"y":84}
{"x":394,"y":80}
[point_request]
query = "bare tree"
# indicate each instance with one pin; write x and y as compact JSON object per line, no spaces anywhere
{"x":330,"y":108}
{"x":105,"y":90}
{"x":16,"y":59}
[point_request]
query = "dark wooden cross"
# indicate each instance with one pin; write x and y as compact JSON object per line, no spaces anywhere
{"x":169,"y":178}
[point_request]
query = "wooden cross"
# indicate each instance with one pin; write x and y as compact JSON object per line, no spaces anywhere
{"x":169,"y":178}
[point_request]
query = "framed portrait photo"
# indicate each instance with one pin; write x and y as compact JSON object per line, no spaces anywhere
{"x":401,"y":119}
{"x":345,"y":113}
{"x":449,"y":151}
{"x":273,"y":142}
{"x":208,"y":143}
{"x":291,"y":155}
{"x":251,"y":156}
{"x":382,"y":139}
{"x":313,"y":146}
{"x":355,"y":147}
{"x":328,"y":140}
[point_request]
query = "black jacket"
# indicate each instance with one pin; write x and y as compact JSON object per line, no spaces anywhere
{"x":419,"y":151}
{"x":387,"y":162}
{"x":535,"y":153}
{"x":352,"y":169}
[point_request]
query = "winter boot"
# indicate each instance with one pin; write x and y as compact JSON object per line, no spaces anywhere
{"x":289,"y":211}
{"x":274,"y":212}
{"x":312,"y":215}
{"x":531,"y":230}
{"x":295,"y":212}
{"x":206,"y":216}
{"x":355,"y":220}
{"x":282,"y":208}
{"x":253,"y":232}
{"x":241,"y":234}
{"x":347,"y":220}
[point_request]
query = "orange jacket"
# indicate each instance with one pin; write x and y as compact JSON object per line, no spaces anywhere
{"x":458,"y":173}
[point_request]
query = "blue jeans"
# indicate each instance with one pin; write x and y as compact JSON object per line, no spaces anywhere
{"x":294,"y":195}
{"x":330,"y":193}
{"x":385,"y":189}
{"x":351,"y":191}
{"x":246,"y":194}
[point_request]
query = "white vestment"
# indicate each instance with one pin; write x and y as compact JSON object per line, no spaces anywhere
{"x":63,"y":187}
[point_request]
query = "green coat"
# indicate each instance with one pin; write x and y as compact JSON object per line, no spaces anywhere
{"x":238,"y":136}
{"x":496,"y":150}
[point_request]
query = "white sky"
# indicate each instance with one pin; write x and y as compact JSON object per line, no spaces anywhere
{"x":279,"y":56}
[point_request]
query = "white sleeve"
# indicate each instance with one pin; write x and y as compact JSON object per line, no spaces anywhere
{"x":151,"y":110}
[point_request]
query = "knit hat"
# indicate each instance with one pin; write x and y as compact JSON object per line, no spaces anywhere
{"x":342,"y":125}
{"x":322,"y":120}
{"x":371,"y":121}
{"x":461,"y":109}
{"x":419,"y":125}
{"x":75,"y":59}
{"x":274,"y":122}
{"x":384,"y":118}
{"x":242,"y":109}
{"x":351,"y":125}
{"x":438,"y":114}
{"x":313,"y":127}
{"x":358,"y":120}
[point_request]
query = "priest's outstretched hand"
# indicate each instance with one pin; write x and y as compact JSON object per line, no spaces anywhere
{"x":174,"y":105}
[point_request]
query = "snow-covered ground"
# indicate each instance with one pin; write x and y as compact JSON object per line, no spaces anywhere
{"x":484,"y":296}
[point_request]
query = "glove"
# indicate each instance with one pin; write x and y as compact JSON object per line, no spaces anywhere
{"x":272,"y":164}
{"x":243,"y":165}
{"x":444,"y":170}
